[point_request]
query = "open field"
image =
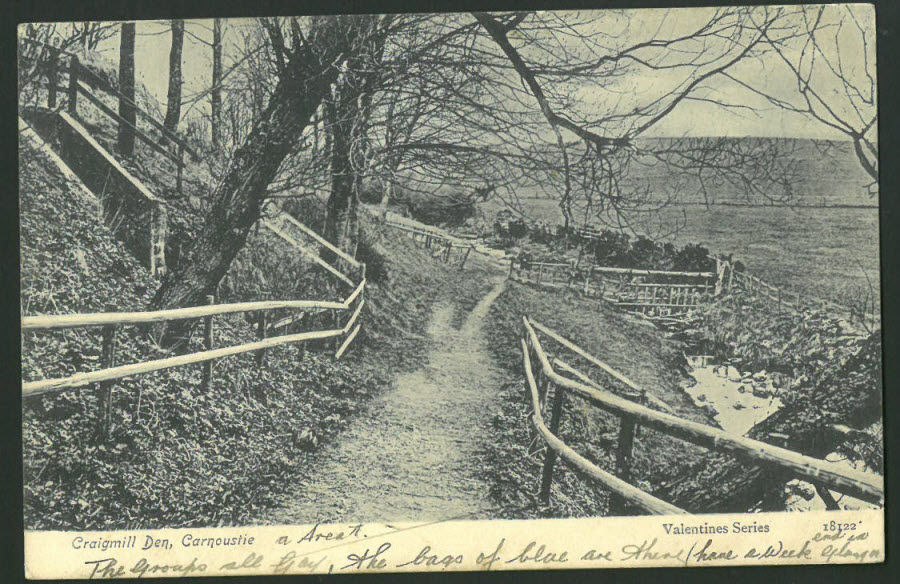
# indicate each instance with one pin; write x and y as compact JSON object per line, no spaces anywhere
{"x":821,"y":251}
{"x":826,"y":246}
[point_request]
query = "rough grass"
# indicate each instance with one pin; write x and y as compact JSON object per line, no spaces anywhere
{"x":640,"y":352}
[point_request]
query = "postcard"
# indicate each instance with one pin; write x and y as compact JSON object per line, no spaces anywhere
{"x":451,"y":291}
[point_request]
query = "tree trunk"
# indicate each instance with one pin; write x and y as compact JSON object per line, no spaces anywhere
{"x":349,"y":114}
{"x":173,"y":105}
{"x":126,"y":88}
{"x":215,"y":95}
{"x":340,"y":114}
{"x":238,"y":199}
{"x":387,"y":194}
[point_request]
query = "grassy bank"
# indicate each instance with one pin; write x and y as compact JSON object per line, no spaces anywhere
{"x":178,"y":456}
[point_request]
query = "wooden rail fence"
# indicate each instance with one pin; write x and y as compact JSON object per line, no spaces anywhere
{"x":623,"y":287}
{"x":50,"y":61}
{"x":171,"y":146}
{"x":542,"y":377}
{"x":784,"y":300}
{"x":304,"y":240}
{"x":109,"y":322}
{"x":447,"y":248}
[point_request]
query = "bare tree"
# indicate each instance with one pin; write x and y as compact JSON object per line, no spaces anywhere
{"x":468,"y":115}
{"x":216,"y":90}
{"x":173,"y":96}
{"x":90,"y":34}
{"x":126,"y":88}
{"x":832,"y":62}
{"x":608,"y":143}
{"x":307,"y":64}
{"x":348,"y":112}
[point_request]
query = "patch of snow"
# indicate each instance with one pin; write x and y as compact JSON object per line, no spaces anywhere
{"x":734,"y":410}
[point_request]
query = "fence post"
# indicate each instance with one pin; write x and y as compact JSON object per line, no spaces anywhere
{"x":52,"y":80}
{"x":466,"y":256}
{"x":827,"y":498}
{"x":720,"y":275}
{"x":550,"y":458}
{"x":180,"y":173}
{"x":337,"y":325}
{"x":532,"y":429}
{"x":107,"y":360}
{"x":159,"y":219}
{"x":206,"y":378}
{"x":73,"y":86}
{"x":623,"y":461}
{"x":543,"y":388}
{"x":260,"y":335}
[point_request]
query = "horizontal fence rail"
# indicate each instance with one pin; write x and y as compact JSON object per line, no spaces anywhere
{"x":277,"y":229}
{"x":820,"y":472}
{"x":110,"y":321}
{"x":639,"y":272}
{"x":170,"y":146}
{"x":59,"y":321}
{"x":622,"y":287}
{"x":54,"y":54}
{"x":785,"y":300}
{"x":625,"y":490}
{"x":287,"y":217}
{"x":32,"y":388}
{"x":441,"y":244}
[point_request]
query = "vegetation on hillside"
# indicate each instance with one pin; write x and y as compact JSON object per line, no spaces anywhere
{"x":178,"y":456}
{"x":416,"y":104}
{"x":832,"y":374}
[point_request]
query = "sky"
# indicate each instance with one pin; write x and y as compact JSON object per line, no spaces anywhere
{"x":689,"y":118}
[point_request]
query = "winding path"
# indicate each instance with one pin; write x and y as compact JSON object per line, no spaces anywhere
{"x":414,"y":454}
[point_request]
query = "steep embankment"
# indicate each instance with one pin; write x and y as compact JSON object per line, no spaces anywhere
{"x":635,"y":349}
{"x":178,"y":456}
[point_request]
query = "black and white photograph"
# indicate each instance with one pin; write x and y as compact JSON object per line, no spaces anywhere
{"x":352,"y":270}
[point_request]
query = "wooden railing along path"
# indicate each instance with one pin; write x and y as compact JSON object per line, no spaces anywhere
{"x":347,"y":310}
{"x":542,"y":376}
{"x":123,"y":194}
{"x":441,"y":245}
{"x":295,"y":233}
{"x":51,"y":59}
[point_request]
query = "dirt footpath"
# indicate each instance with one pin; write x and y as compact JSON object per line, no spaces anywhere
{"x":414,"y":454}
